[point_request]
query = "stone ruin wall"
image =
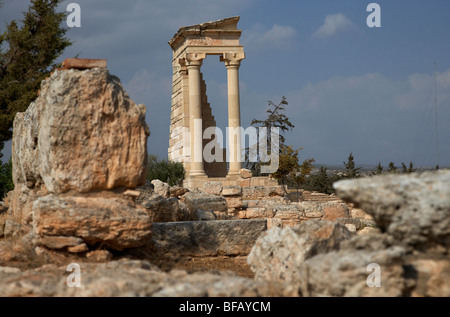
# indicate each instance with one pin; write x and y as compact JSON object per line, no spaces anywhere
{"x":179,"y":120}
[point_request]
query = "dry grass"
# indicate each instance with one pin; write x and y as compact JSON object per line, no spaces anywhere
{"x":237,"y":265}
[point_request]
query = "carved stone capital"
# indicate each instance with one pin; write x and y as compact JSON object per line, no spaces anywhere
{"x":232,"y":59}
{"x":195,"y":59}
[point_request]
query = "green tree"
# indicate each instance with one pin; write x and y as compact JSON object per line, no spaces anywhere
{"x":275,"y":119}
{"x":378,"y":170}
{"x":408,"y":170}
{"x":165,"y":170}
{"x":27,"y":55}
{"x":288,"y":164}
{"x":392,"y":168}
{"x":351,"y":171}
{"x":320,"y":182}
{"x":6,"y":181}
{"x":298,"y":179}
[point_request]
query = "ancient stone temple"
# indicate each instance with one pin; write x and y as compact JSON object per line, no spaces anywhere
{"x":190,"y":107}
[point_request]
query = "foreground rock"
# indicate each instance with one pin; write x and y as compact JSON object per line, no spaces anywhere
{"x":345,"y":273}
{"x":82,"y":133}
{"x":75,"y":151}
{"x":130,"y":279}
{"x":408,"y":255}
{"x":279,"y":253}
{"x":60,"y":222}
{"x":414,"y":209}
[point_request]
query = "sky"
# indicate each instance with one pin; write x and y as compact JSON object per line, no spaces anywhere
{"x":350,"y":88}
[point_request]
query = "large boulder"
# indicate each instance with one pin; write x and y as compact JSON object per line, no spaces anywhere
{"x":346,"y":273}
{"x":82,"y":133}
{"x":279,"y":253}
{"x":414,"y":209}
{"x":114,"y":222}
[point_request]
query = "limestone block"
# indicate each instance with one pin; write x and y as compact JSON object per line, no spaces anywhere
{"x":82,"y":133}
{"x":114,"y":222}
{"x":414,"y":208}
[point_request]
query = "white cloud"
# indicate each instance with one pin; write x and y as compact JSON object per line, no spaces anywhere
{"x":333,"y":24}
{"x":277,"y":36}
{"x":146,"y":87}
{"x":373,"y":116}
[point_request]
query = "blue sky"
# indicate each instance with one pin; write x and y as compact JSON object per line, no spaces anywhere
{"x":350,"y":88}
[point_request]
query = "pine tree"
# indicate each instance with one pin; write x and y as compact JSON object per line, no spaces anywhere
{"x":351,"y":171}
{"x":27,"y":55}
{"x":408,"y":170}
{"x":392,"y":168}
{"x":275,"y":119}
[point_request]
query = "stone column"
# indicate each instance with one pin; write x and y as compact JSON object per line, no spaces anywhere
{"x":232,"y":63}
{"x":193,"y":63}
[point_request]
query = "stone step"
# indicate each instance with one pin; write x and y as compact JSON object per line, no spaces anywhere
{"x":206,"y":238}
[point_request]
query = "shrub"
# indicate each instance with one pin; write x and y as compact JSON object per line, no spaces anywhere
{"x":165,"y":170}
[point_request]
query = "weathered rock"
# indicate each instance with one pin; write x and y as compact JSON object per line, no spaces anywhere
{"x":204,"y":215}
{"x":257,"y":192}
{"x":82,"y":133}
{"x":99,"y":256}
{"x":433,"y":276}
{"x":351,"y":227}
{"x":114,"y":222}
{"x":369,"y":242}
{"x":21,"y":202}
{"x":234,"y":202}
{"x":131,"y":278}
{"x":366,"y":230}
{"x":204,"y":201}
{"x":206,"y":238}
{"x":213,"y":188}
{"x":279,"y":253}
{"x":165,"y":209}
{"x":360,"y":214}
{"x":176,"y":191}
{"x":256,"y":213}
{"x":3,"y":208}
{"x":345,"y":273}
{"x":78,"y":248}
{"x":414,"y":209}
{"x":161,"y":188}
{"x":231,"y":191}
{"x":83,"y":63}
{"x":335,"y":211}
{"x":6,"y":253}
{"x":59,"y":242}
{"x":290,"y":214}
{"x":245,"y":173}
{"x":12,"y":228}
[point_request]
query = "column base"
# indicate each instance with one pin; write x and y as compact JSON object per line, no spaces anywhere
{"x":197,"y":174}
{"x":233,"y":173}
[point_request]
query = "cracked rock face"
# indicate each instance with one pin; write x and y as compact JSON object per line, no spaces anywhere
{"x":133,"y":278}
{"x":278,"y":254}
{"x":82,"y":133}
{"x":114,"y":222}
{"x":414,"y":209}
